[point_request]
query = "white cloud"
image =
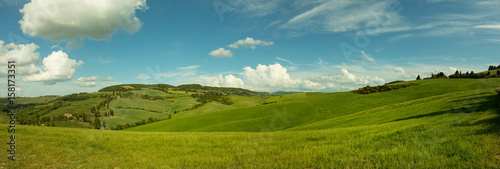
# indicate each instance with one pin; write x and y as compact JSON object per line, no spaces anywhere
{"x":258,"y":8}
{"x":262,"y":78}
{"x":274,"y":77}
{"x":347,"y":15}
{"x":488,"y":26}
{"x":290,"y":62}
{"x":368,"y":57}
{"x":24,"y":56}
{"x":437,"y":1}
{"x":189,"y":67}
{"x":91,"y":81}
{"x":247,"y":9}
{"x":250,"y":42}
{"x":56,"y":67}
{"x":221,"y":53}
{"x":399,"y":70}
{"x":224,"y":81}
{"x":346,"y":80}
{"x":55,"y":46}
{"x":71,"y":19}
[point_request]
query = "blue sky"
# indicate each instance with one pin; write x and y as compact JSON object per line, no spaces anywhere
{"x":72,"y":46}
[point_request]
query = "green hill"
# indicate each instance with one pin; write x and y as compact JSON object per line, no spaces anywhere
{"x":133,"y":102}
{"x":306,"y":109}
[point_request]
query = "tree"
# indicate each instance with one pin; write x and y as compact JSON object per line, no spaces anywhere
{"x":456,"y":72}
{"x":97,"y":123}
{"x":53,"y":125}
{"x":104,"y":124}
{"x":111,"y":112}
{"x":418,"y":77}
{"x":498,"y":72}
{"x":489,"y":73}
{"x":97,"y":114}
{"x":471,"y":72}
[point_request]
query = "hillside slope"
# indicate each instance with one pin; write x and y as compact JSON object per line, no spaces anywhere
{"x":329,"y":110}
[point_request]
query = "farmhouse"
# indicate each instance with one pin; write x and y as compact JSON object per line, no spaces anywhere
{"x":68,"y":115}
{"x":439,"y":75}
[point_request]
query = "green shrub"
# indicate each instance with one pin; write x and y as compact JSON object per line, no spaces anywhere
{"x":498,"y":90}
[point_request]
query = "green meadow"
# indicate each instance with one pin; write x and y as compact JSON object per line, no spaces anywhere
{"x":438,"y":123}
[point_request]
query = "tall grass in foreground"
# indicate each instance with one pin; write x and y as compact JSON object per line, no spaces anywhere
{"x":401,"y":144}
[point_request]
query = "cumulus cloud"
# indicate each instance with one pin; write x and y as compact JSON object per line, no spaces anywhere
{"x":91,"y":81}
{"x":24,"y":55}
{"x":225,"y":81}
{"x":346,"y":80}
{"x":56,"y":67}
{"x":250,"y":42}
{"x":221,"y":53}
{"x":262,"y":78}
{"x":274,"y":77}
{"x":71,"y":19}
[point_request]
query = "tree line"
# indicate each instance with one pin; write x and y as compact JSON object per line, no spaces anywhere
{"x":488,"y":74}
{"x":383,"y":88}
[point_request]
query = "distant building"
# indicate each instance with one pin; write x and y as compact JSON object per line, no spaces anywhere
{"x":68,"y":115}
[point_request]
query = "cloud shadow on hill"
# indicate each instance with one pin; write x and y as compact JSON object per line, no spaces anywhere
{"x":491,"y":104}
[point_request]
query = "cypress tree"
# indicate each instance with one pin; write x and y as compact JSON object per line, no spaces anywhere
{"x":97,"y":123}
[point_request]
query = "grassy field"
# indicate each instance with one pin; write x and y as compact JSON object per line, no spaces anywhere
{"x":137,"y":103}
{"x":124,"y":116}
{"x":207,"y":108}
{"x":242,"y":101}
{"x":439,"y":123}
{"x":151,"y":92}
{"x":400,"y":144}
{"x":288,"y":97}
{"x":34,"y":100}
{"x":181,"y":92}
{"x":76,"y":107}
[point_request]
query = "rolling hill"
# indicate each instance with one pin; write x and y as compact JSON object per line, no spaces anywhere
{"x":297,"y":111}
